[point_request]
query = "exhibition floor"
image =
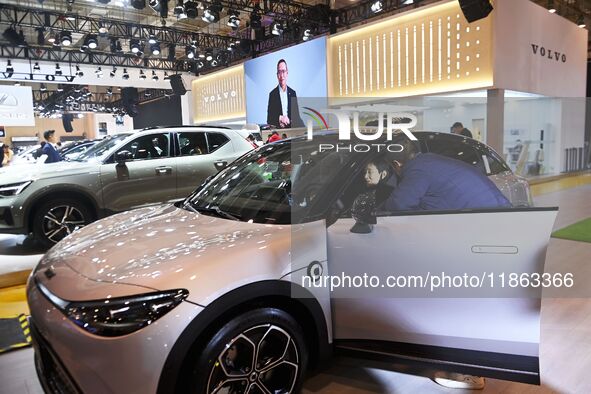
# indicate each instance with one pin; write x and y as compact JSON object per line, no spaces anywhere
{"x":565,"y":329}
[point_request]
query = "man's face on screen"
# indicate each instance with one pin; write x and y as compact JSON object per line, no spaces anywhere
{"x":282,"y":75}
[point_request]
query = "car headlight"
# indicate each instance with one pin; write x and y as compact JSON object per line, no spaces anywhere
{"x":114,"y":317}
{"x":13,"y":189}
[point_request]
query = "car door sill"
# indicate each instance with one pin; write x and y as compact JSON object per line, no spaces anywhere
{"x":516,"y":368}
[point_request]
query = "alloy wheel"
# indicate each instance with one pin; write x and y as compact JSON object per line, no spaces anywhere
{"x":262,"y":360}
{"x":61,"y":221}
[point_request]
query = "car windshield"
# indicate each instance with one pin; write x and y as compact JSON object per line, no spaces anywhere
{"x":261,"y":186}
{"x":101,"y":148}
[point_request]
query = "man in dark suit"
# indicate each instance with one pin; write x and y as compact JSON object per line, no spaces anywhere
{"x":282,"y":109}
{"x":49,"y":148}
{"x":458,"y":128}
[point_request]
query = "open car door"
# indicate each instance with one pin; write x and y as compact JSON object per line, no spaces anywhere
{"x":486,"y":323}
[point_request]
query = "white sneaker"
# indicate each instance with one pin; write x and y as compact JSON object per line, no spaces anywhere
{"x":458,"y":381}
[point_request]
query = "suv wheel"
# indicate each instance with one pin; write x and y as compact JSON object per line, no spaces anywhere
{"x":261,"y":351}
{"x":57,"y":218}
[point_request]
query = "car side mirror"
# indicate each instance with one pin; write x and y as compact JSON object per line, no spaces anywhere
{"x":363,"y":212}
{"x":220,"y":164}
{"x":122,"y":156}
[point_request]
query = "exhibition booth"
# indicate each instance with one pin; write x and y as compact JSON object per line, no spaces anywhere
{"x":497,"y":76}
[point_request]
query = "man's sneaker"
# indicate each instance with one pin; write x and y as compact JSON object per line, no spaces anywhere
{"x":458,"y":381}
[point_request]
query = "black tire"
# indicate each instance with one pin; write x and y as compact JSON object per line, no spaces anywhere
{"x":281,"y":360}
{"x":46,"y":227}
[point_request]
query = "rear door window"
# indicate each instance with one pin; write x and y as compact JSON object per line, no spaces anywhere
{"x":216,"y":141}
{"x":192,"y":144}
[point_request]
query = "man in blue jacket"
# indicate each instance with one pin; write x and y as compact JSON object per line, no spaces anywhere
{"x":428,"y":181}
{"x":49,"y":149}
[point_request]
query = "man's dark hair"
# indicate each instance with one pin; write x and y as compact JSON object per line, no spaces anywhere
{"x":382,"y":165}
{"x":47,"y":134}
{"x":281,"y":61}
{"x":457,"y":124}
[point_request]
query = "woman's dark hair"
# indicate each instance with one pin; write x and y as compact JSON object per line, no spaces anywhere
{"x":382,"y":165}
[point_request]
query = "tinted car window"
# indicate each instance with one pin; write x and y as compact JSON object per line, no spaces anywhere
{"x":495,"y":163}
{"x":193,"y":144}
{"x":455,"y":148}
{"x":216,"y":141}
{"x":150,"y":146}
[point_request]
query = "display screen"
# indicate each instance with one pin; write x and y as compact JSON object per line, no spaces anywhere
{"x":274,"y":83}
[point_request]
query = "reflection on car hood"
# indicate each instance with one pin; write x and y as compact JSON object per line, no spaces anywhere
{"x":167,"y":247}
{"x":33,"y":171}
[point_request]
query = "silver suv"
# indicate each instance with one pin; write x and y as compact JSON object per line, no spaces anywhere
{"x":121,"y":172}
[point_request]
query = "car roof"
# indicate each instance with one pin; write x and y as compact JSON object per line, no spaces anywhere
{"x":421,"y":135}
{"x":202,"y":126}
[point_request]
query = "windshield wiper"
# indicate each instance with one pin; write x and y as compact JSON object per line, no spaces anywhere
{"x":214,"y":209}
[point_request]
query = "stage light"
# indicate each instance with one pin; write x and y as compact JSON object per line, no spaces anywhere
{"x":166,"y":77}
{"x":66,"y":38}
{"x":142,"y":75}
{"x":138,"y":4}
{"x":134,"y":45}
{"x":113,"y":72}
{"x":190,"y":52}
{"x":171,"y":52}
{"x":43,"y":88}
{"x":152,"y":39}
{"x":234,"y":19}
{"x":307,"y":35}
{"x":551,"y":8}
{"x":212,"y":13}
{"x":125,"y":74}
{"x":79,"y":72}
{"x":155,"y":48}
{"x":91,"y":41}
{"x":581,"y":21}
{"x":51,"y":37}
{"x":191,"y":9}
{"x":179,"y":8}
{"x":9,"y":68}
{"x":277,"y":29}
{"x":36,"y":67}
{"x":58,"y":70}
{"x":99,"y":72}
{"x":109,"y":91}
{"x":60,"y":88}
{"x":376,"y":7}
{"x":154,"y":76}
{"x":208,"y":56}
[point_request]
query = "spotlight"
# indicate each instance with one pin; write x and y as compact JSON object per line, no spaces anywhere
{"x":116,"y":46}
{"x":60,"y":88}
{"x":277,"y":29}
{"x":166,"y":77}
{"x":58,"y":70}
{"x":307,"y":35}
{"x":408,"y":2}
{"x":142,"y":75}
{"x":79,"y":72}
{"x":155,"y":48}
{"x":113,"y":72}
{"x":581,"y":21}
{"x":91,"y":41}
{"x":66,"y":38}
{"x":51,"y":37}
{"x":99,"y":72}
{"x":191,"y":9}
{"x":138,"y":4}
{"x":199,"y":64}
{"x":234,"y":20}
{"x":171,"y":52}
{"x":154,"y":76}
{"x":551,"y":8}
{"x":134,"y":44}
{"x":255,"y":18}
{"x":231,"y":47}
{"x":109,"y":91}
{"x":36,"y":67}
{"x":17,"y":83}
{"x":190,"y":52}
{"x":212,"y":13}
{"x":376,"y":7}
{"x":147,"y":93}
{"x":208,"y":56}
{"x":179,"y":9}
{"x":152,"y":39}
{"x":40,"y":36}
{"x":125,"y":74}
{"x":80,"y":115}
{"x":43,"y":88}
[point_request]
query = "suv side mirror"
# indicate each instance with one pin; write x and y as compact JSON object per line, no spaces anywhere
{"x":122,"y":156}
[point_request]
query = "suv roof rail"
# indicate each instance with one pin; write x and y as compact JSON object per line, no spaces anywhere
{"x":186,"y":126}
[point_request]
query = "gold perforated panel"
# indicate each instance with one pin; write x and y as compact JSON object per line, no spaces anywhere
{"x":432,"y":50}
{"x":220,"y":96}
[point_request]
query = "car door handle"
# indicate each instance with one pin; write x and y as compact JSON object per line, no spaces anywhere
{"x":163,"y":170}
{"x":220,"y":164}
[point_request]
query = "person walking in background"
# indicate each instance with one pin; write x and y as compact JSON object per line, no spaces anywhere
{"x":458,"y":128}
{"x":50,"y":149}
{"x":273,"y":137}
{"x":8,"y":153}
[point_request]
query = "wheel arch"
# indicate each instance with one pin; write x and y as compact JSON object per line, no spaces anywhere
{"x":272,"y":293}
{"x":65,"y":192}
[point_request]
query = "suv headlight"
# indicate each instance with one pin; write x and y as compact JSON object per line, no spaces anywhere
{"x":118,"y":316}
{"x":13,"y":189}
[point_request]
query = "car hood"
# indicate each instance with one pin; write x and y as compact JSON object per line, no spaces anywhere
{"x":167,"y":247}
{"x":43,"y":171}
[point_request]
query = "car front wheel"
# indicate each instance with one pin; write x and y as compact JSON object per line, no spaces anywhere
{"x":261,"y":351}
{"x":57,"y":218}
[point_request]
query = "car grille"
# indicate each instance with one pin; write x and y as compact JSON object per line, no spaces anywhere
{"x":53,"y":376}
